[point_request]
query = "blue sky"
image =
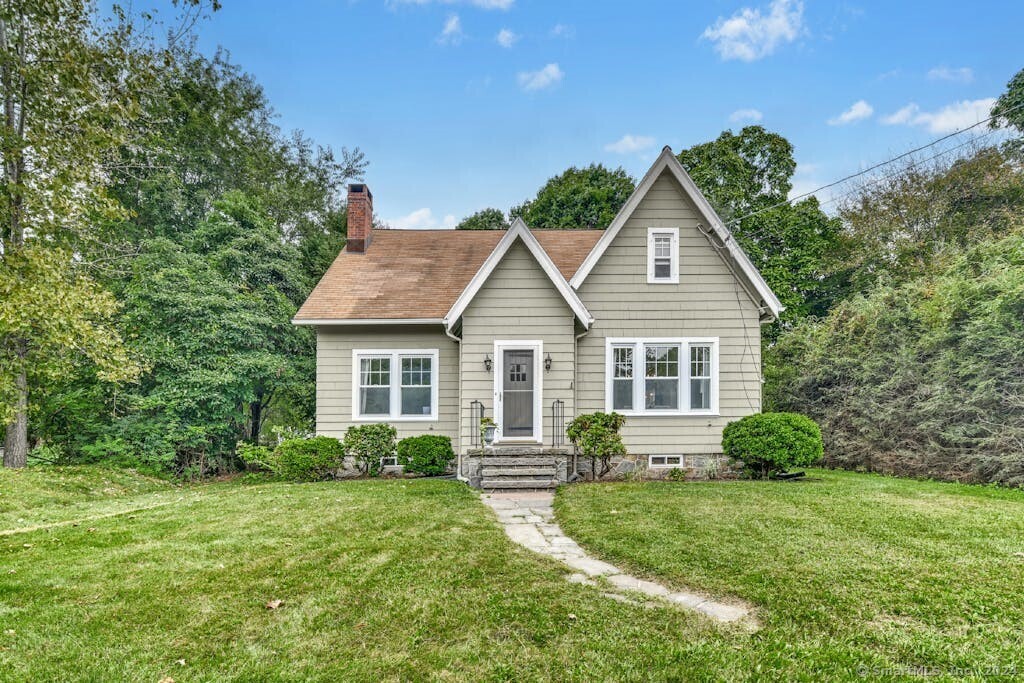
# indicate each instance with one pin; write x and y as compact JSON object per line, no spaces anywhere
{"x":461,"y":105}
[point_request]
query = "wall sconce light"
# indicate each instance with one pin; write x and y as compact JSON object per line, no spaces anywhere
{"x":487,"y":362}
{"x":547,"y":362}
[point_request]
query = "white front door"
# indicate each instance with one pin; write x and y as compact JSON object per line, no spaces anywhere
{"x":517,"y":391}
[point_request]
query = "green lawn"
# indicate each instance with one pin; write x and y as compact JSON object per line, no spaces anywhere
{"x":392,"y":580}
{"x":848,"y":571}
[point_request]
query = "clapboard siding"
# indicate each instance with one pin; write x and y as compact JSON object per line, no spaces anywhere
{"x":517,"y":301}
{"x":707,"y":302}
{"x":334,"y":347}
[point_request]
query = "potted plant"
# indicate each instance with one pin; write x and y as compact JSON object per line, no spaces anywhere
{"x":487,"y":429}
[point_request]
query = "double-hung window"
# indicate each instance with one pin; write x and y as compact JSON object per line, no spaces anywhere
{"x":663,"y":255}
{"x":676,"y":376}
{"x":394,"y":384}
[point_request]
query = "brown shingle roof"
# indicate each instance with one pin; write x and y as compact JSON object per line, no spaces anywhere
{"x":420,"y":273}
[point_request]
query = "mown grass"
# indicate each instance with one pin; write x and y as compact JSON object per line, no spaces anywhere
{"x":852,"y":573}
{"x":393,"y":580}
{"x":381,"y":580}
{"x":43,"y":495}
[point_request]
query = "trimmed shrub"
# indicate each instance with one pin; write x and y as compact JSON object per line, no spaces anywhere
{"x":596,"y":435}
{"x":308,"y":459}
{"x":767,"y":443}
{"x":368,"y":443}
{"x":429,"y":454}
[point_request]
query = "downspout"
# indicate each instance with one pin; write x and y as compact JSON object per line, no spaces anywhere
{"x":458,"y":461}
{"x":575,"y":391}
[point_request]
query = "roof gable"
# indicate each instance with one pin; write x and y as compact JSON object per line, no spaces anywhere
{"x":667,"y":161}
{"x":521,"y":232}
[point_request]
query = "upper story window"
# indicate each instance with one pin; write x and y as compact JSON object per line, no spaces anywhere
{"x":663,"y":255}
{"x":394,"y":384}
{"x":662,"y":376}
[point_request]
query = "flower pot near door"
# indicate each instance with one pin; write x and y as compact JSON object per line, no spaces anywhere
{"x":487,"y":430}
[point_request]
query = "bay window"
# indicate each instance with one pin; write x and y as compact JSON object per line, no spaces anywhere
{"x":398,"y":385}
{"x":676,"y":376}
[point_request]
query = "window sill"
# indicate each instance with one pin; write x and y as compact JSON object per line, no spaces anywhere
{"x":389,"y":418}
{"x":672,"y":413}
{"x":663,"y":282}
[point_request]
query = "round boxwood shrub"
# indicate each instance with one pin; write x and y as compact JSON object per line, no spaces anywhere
{"x":767,"y":443}
{"x":308,"y":459}
{"x":429,"y":454}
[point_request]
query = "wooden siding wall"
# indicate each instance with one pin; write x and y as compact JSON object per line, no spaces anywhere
{"x":334,"y":347}
{"x":518,"y":301}
{"x":707,"y":302}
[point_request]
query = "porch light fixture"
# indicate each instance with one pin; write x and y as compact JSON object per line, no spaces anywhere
{"x":547,"y":362}
{"x":487,"y":362}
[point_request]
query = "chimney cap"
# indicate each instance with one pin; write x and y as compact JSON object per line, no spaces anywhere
{"x":359,"y":188}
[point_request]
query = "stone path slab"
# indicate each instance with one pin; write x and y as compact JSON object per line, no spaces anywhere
{"x":529,"y":519}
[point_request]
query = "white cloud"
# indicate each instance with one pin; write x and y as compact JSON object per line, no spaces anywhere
{"x":746,"y":115}
{"x":563,"y":31}
{"x":422,"y":219}
{"x":749,"y":35}
{"x":952,"y":117}
{"x":547,"y":77}
{"x":482,"y":4}
{"x":452,"y":33}
{"x":506,"y":38}
{"x":943,"y":73}
{"x":859,"y":111}
{"x":629,"y":144}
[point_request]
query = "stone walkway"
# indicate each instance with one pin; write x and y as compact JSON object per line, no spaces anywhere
{"x":529,"y":520}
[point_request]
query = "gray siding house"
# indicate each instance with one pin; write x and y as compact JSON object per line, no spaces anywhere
{"x":656,"y":317}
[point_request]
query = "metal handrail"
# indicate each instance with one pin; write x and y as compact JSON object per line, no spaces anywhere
{"x":476,"y":416}
{"x":557,"y":423}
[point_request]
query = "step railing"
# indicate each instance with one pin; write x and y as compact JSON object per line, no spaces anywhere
{"x":476,"y":416}
{"x":557,"y":423}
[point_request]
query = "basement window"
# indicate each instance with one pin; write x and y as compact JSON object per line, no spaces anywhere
{"x":656,"y":461}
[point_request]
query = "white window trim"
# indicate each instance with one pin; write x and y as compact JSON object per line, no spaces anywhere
{"x":666,"y":465}
{"x":638,"y":376}
{"x":537,"y":346}
{"x":396,"y":385}
{"x":673,"y":278}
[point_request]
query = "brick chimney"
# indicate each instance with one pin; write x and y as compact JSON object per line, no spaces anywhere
{"x":360,"y":218}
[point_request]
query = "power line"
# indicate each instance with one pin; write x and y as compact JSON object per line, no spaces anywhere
{"x":887,"y":176}
{"x":876,"y":166}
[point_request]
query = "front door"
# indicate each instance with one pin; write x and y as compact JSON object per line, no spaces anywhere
{"x":517,"y":393}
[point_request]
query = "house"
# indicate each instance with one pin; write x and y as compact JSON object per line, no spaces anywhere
{"x":656,"y":317}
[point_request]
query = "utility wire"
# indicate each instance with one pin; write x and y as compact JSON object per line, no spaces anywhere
{"x":876,"y":166}
{"x":897,"y":172}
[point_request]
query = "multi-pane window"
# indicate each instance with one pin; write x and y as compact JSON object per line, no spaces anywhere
{"x":662,"y":376}
{"x":416,"y":384}
{"x":375,"y":386}
{"x":395,"y":385}
{"x":700,"y":377}
{"x":622,"y":377}
{"x":665,"y":461}
{"x":663,"y":255}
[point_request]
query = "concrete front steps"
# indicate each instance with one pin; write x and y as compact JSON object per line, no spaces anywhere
{"x":521,"y":470}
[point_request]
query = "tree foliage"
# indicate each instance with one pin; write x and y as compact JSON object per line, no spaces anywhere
{"x":747,"y":178}
{"x":917,"y":217}
{"x":485,"y":219}
{"x":1009,"y":112}
{"x":922,"y":378}
{"x":577,"y":198}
